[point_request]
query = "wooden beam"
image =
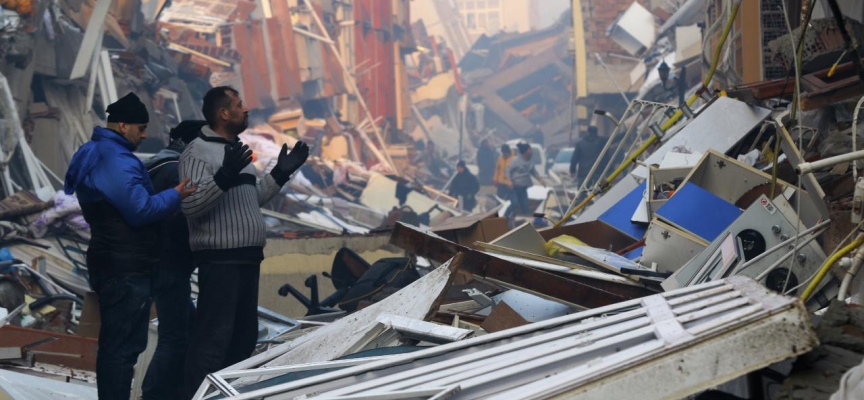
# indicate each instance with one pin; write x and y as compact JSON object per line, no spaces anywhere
{"x":577,"y":291}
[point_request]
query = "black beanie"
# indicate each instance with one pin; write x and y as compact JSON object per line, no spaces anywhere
{"x":129,"y":109}
{"x":187,"y":131}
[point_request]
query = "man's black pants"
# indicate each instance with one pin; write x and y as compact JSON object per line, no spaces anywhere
{"x":124,"y":307}
{"x":172,"y":295}
{"x":226,"y":320}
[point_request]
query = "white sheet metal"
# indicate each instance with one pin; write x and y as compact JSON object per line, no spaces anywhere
{"x":615,"y":349}
{"x":713,"y":128}
{"x":18,"y":386}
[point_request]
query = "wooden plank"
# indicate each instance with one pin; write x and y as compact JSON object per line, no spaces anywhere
{"x":573,"y":290}
{"x":501,"y":318}
{"x":585,"y":272}
{"x":524,"y":238}
{"x":491,"y":248}
{"x":599,"y":257}
{"x":13,"y":336}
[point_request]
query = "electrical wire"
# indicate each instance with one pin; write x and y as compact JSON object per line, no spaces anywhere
{"x":795,"y":106}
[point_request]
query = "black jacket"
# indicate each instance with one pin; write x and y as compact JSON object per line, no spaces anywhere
{"x":163,"y":169}
{"x":585,"y":155}
{"x":486,"y":160}
{"x":464,"y":184}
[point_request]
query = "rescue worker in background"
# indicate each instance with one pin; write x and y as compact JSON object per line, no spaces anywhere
{"x":520,"y":171}
{"x":486,"y":163}
{"x":537,"y":135}
{"x":172,"y":291}
{"x":584,"y":156}
{"x":123,"y":210}
{"x":227,"y":234}
{"x":465,"y":186}
{"x":501,"y":180}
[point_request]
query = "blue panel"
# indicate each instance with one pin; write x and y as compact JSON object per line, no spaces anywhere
{"x":619,"y":215}
{"x":634,"y":254}
{"x":699,"y":212}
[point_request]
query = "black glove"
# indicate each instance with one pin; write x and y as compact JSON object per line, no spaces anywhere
{"x":237,"y":157}
{"x":289,"y":162}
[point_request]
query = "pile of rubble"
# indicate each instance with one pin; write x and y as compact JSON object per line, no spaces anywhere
{"x":712,"y":231}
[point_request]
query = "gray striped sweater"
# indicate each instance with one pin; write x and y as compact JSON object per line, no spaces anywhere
{"x":223,"y":225}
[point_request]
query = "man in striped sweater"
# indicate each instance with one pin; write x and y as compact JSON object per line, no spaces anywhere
{"x":227,"y":234}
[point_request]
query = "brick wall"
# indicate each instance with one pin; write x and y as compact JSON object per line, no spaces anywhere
{"x":597,"y":16}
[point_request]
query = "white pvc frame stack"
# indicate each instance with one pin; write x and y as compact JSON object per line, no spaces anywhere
{"x":663,"y":346}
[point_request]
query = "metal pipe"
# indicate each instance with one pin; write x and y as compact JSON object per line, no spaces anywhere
{"x":605,"y":150}
{"x":828,"y":264}
{"x":854,"y":137}
{"x":806,"y":168}
{"x":609,"y":115}
{"x":850,"y":274}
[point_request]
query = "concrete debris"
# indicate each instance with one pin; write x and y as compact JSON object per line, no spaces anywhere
{"x":621,"y":196}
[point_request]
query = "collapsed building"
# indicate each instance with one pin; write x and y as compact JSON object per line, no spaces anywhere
{"x":724,"y":217}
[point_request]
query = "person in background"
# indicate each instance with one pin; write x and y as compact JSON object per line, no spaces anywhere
{"x":465,"y":186}
{"x":520,"y":171}
{"x":123,"y":210}
{"x":172,"y":291}
{"x":585,"y":155}
{"x":227,"y":234}
{"x":486,"y":163}
{"x":501,"y":180}
{"x":537,"y":135}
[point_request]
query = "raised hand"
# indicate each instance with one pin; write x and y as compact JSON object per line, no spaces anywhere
{"x":237,"y":157}
{"x":289,"y":163}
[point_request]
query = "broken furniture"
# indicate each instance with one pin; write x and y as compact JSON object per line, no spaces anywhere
{"x":570,"y":287}
{"x":765,"y":227}
{"x":355,"y":281}
{"x":469,"y":229}
{"x":627,"y":350}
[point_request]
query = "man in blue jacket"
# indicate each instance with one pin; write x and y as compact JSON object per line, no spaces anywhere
{"x":118,"y":201}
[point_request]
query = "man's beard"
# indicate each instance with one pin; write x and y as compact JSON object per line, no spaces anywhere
{"x":240,"y":127}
